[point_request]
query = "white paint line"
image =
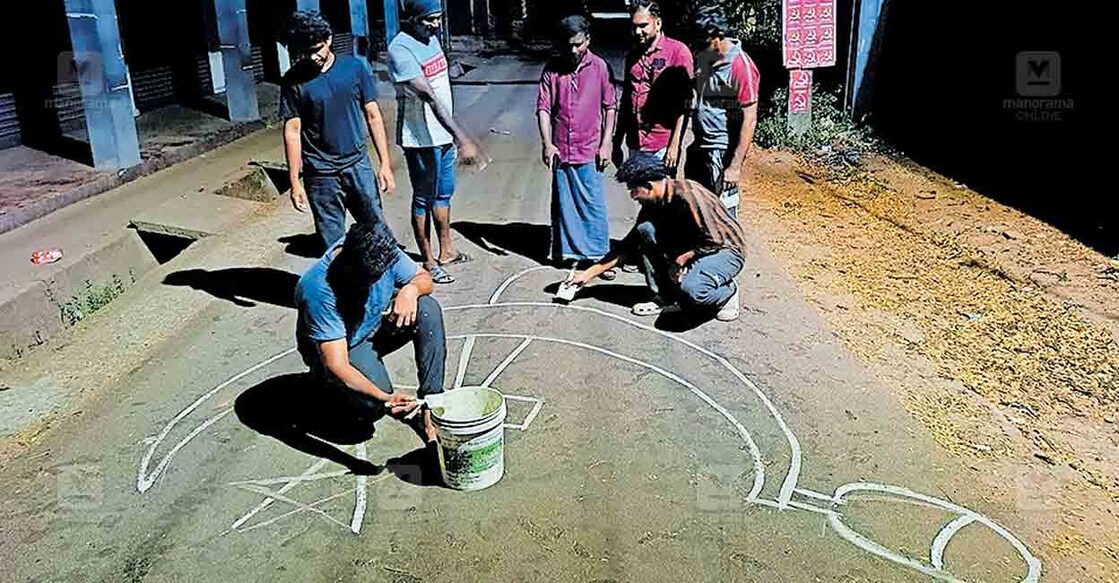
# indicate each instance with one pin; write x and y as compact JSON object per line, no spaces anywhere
{"x":143,"y":483}
{"x":793,"y":475}
{"x":532,"y":415}
{"x":1033,"y":573}
{"x":816,"y":495}
{"x":464,"y":361}
{"x":286,"y":479}
{"x":787,"y":486}
{"x":509,"y":281}
{"x":143,"y":479}
{"x":940,"y":543}
{"x":759,"y":466}
{"x":311,"y":470}
{"x":537,"y":404}
{"x":794,"y":504}
{"x":500,"y":368}
{"x":811,"y":508}
{"x":874,"y":548}
{"x":362,"y":484}
{"x":312,"y":504}
{"x":280,"y":497}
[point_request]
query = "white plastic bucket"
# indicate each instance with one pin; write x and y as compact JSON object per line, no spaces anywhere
{"x":470,"y":422}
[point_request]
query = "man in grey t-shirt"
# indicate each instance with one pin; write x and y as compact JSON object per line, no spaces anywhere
{"x":427,"y":130}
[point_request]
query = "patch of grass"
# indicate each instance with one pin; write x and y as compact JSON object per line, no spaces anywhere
{"x":91,"y":298}
{"x":832,"y":131}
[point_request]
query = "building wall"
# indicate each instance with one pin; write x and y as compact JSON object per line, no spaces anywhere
{"x":945,"y":73}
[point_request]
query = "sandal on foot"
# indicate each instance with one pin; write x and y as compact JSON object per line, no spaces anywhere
{"x":440,"y":275}
{"x":609,"y":275}
{"x":460,"y":258}
{"x":654,"y":309}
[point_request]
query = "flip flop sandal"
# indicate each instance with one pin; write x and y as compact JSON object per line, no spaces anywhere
{"x":460,"y":258}
{"x":646,"y":309}
{"x":440,"y":275}
{"x":609,"y":275}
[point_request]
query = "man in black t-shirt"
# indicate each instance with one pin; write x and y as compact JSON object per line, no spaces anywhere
{"x":328,"y":102}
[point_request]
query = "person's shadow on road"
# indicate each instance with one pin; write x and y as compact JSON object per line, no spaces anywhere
{"x":294,"y":410}
{"x":308,"y":245}
{"x":525,"y":239}
{"x":243,"y":286}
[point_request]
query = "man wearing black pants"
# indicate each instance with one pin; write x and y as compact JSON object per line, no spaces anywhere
{"x":329,"y":103}
{"x":362,"y":301}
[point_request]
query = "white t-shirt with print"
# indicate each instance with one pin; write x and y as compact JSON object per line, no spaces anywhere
{"x":417,"y":126}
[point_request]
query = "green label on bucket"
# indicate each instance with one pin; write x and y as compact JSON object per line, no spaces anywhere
{"x":472,"y":463}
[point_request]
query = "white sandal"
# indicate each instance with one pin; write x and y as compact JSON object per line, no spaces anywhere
{"x":654,"y":308}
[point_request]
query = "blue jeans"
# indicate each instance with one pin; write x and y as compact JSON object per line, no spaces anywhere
{"x":707,"y":284}
{"x":429,"y":343}
{"x":707,"y":166}
{"x":432,"y":173}
{"x":354,"y":188}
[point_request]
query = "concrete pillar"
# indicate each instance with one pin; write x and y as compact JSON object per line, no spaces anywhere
{"x":237,"y":60}
{"x":359,"y":27}
{"x":103,"y":78}
{"x":868,"y":22}
{"x":392,"y":19}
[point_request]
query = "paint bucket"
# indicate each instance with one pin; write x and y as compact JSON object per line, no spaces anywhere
{"x":470,"y":424}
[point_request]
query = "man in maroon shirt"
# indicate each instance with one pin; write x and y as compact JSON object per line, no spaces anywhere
{"x":658,"y":88}
{"x":575,"y":110}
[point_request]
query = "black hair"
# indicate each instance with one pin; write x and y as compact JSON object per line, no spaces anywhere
{"x":368,"y":251}
{"x":712,"y":22}
{"x":572,"y":26}
{"x":642,"y":169}
{"x":304,"y":30}
{"x":649,"y":6}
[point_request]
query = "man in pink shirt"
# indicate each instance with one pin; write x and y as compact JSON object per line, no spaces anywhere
{"x":575,"y":110}
{"x":658,"y":89}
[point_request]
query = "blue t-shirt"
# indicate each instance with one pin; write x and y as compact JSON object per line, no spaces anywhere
{"x":319,"y":318}
{"x":331,"y":107}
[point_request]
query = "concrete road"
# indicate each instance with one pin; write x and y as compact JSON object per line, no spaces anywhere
{"x":757,"y":450}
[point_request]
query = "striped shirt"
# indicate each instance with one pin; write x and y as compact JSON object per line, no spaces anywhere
{"x":689,"y":218}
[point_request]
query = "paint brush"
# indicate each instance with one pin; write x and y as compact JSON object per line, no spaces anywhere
{"x":568,"y":288}
{"x":420,"y":405}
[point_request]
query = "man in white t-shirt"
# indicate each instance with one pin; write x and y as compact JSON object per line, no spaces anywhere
{"x":427,"y":130}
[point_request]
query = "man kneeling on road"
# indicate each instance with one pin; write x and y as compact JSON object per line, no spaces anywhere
{"x":690,"y":245}
{"x":363,"y":300}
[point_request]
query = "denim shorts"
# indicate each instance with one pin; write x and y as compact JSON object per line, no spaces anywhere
{"x":432,"y":172}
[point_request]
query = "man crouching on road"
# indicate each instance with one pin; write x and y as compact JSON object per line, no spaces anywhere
{"x":690,"y":245}
{"x":362,"y":301}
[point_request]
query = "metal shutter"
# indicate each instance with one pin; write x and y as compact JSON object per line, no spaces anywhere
{"x":9,"y":121}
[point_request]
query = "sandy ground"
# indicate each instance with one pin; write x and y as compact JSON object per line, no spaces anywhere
{"x":997,"y":330}
{"x":662,"y":451}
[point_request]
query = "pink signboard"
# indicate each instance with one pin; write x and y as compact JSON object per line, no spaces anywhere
{"x":809,"y":33}
{"x":800,"y":91}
